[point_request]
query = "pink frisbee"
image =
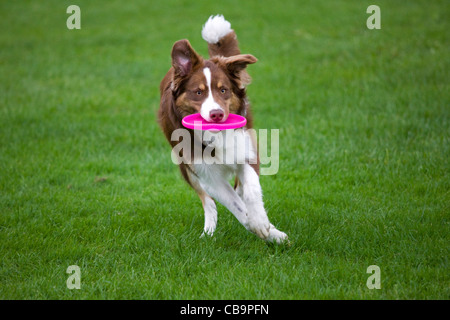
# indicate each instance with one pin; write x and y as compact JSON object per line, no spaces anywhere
{"x":195,"y":121}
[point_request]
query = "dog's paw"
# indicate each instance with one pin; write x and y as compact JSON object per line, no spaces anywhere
{"x":277,"y":236}
{"x":209,"y":232}
{"x":260,"y":226}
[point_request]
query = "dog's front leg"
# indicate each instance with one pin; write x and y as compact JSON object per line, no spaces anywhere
{"x":209,"y":206}
{"x":251,"y":193}
{"x":221,"y":190}
{"x":210,"y":214}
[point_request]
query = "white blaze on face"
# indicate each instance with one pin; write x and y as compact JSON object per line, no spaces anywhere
{"x":209,"y":104}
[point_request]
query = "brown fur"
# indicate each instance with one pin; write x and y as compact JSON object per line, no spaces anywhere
{"x":181,"y":87}
{"x":226,"y":47}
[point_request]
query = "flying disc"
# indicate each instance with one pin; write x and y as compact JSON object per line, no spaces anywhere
{"x":196,"y":121}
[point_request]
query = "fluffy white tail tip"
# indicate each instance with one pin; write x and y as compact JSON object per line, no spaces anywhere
{"x":215,"y":29}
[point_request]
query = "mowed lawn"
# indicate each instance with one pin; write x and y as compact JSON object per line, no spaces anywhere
{"x":86,"y":177}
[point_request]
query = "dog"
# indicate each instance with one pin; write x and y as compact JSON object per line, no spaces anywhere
{"x":216,"y":87}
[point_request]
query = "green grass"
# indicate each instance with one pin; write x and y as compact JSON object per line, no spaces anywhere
{"x":86,"y":177}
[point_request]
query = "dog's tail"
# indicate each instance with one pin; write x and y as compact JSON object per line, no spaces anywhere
{"x":222,"y":40}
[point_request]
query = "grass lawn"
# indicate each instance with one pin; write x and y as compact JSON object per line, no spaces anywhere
{"x":86,"y":177}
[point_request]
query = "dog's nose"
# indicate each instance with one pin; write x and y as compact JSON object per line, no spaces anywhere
{"x":216,"y":115}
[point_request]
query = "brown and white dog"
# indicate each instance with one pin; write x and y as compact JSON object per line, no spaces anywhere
{"x":215,"y":88}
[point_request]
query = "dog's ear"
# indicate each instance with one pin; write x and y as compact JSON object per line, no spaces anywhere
{"x":236,"y":65}
{"x":184,"y":58}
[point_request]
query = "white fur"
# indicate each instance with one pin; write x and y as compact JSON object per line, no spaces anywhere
{"x":245,"y":203}
{"x":215,"y":29}
{"x":248,"y":208}
{"x":210,"y":216}
{"x":209,"y":104}
{"x":230,"y":146}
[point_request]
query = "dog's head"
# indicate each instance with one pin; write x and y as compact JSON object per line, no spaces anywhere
{"x":214,"y":88}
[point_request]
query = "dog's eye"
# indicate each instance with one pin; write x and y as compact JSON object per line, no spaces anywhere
{"x":199,"y":92}
{"x":223,"y":90}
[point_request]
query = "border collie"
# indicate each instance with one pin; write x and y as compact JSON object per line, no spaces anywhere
{"x":215,"y":88}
